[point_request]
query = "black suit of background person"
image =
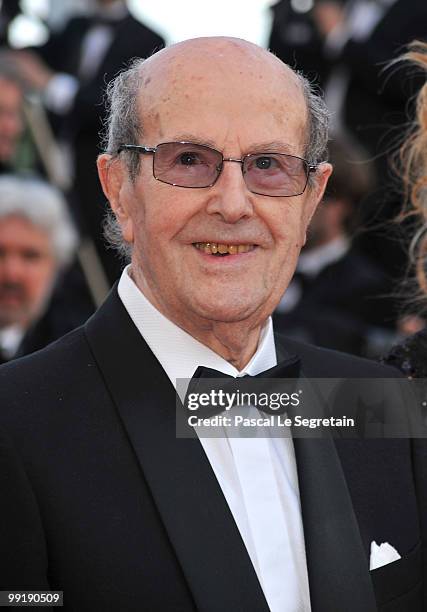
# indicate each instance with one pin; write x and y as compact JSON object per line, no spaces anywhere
{"x":368,"y":100}
{"x":295,"y":37}
{"x":40,"y":291}
{"x":374,"y":100}
{"x":81,"y":125}
{"x":339,"y":297}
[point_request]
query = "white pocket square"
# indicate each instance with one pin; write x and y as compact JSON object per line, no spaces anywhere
{"x":382,"y":555}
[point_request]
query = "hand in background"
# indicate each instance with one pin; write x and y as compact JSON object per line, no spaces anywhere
{"x":31,"y":69}
{"x":328,"y":15}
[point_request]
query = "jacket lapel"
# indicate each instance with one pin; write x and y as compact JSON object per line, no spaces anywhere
{"x":337,"y":564}
{"x":188,"y":497}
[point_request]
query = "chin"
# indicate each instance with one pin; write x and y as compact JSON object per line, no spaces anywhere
{"x":12,"y":318}
{"x":227,"y":312}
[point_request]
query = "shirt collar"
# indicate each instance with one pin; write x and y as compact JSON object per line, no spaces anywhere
{"x":177,"y":351}
{"x":10,"y":339}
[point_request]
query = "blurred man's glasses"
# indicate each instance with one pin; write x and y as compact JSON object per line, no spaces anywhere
{"x":185,"y":164}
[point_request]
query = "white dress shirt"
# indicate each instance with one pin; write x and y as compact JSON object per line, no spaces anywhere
{"x":257,"y":476}
{"x":10,"y":339}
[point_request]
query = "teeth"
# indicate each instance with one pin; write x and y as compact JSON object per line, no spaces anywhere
{"x":211,"y":248}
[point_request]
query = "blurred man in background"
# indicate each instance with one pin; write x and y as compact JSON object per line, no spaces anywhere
{"x":71,"y":71}
{"x":37,"y":242}
{"x":346,"y":45}
{"x":27,"y":149}
{"x":336,"y":298}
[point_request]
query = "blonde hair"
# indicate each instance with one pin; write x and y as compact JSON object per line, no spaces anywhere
{"x":413,"y":163}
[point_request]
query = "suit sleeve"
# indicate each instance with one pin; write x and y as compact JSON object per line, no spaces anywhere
{"x":132,"y":40}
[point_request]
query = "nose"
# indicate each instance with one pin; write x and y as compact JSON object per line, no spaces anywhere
{"x":11,"y":123}
{"x":229,"y":197}
{"x":12,"y":268}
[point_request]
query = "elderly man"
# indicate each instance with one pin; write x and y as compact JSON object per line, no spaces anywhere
{"x":213,"y":170}
{"x":37,"y":241}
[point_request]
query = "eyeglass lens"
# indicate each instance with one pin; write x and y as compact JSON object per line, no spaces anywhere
{"x":193,"y":165}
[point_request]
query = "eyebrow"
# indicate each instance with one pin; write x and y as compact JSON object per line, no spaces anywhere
{"x":195,"y":140}
{"x":275,"y":146}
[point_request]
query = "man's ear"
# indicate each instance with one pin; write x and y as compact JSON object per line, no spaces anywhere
{"x":113,"y":176}
{"x":317,"y":190}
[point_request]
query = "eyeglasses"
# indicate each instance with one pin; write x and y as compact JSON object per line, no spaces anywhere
{"x":185,"y":164}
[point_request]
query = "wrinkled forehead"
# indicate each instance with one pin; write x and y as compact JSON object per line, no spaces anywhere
{"x":17,"y":229}
{"x":217,"y":78}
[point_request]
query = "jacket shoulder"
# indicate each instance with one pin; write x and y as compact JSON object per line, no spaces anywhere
{"x":320,"y":362}
{"x":38,"y":381}
{"x":59,"y":352}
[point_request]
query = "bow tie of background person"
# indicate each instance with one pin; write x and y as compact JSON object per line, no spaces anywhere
{"x":280,"y":379}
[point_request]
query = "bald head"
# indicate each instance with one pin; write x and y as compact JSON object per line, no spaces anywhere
{"x":217,"y":53}
{"x":192,"y":67}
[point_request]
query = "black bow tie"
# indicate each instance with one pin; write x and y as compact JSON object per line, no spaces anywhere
{"x":279,"y":379}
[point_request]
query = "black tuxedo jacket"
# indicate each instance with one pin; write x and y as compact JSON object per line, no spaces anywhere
{"x":62,"y":52}
{"x":101,"y":500}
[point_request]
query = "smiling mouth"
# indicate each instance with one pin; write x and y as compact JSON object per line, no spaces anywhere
{"x":221,"y":250}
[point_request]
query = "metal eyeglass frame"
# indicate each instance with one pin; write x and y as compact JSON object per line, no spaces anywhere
{"x":144,"y":150}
